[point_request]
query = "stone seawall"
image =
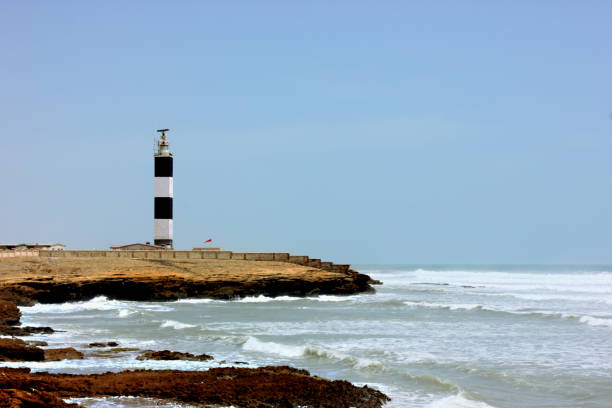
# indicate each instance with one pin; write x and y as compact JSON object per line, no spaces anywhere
{"x":227,"y":255}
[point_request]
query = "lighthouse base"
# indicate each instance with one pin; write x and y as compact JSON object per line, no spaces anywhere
{"x":163,"y":242}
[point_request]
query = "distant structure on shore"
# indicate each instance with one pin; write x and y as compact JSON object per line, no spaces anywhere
{"x":163,"y":193}
{"x":136,"y":247}
{"x":48,"y":247}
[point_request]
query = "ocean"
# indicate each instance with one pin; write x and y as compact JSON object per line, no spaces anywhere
{"x":438,"y":336}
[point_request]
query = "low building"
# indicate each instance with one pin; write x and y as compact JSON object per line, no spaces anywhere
{"x":136,"y":247}
{"x":47,"y":247}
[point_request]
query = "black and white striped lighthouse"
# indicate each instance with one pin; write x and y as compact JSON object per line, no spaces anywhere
{"x":163,"y":192}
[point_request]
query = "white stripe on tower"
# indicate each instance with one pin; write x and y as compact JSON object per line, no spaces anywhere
{"x":163,"y":193}
{"x":163,"y":187}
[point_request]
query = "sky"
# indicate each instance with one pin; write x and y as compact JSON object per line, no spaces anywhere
{"x":353,"y":131}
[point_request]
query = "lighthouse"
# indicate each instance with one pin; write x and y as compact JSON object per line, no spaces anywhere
{"x":163,"y":192}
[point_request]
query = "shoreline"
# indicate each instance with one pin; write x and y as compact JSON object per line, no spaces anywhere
{"x":27,"y":281}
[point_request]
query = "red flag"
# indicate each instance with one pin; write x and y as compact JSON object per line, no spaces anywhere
{"x":208,"y":240}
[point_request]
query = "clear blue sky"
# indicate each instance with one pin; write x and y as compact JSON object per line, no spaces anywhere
{"x":379,"y":131}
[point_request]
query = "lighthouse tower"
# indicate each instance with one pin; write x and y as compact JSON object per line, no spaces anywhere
{"x":163,"y":192}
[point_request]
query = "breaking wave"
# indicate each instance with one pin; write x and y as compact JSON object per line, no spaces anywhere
{"x":176,"y":325}
{"x":467,"y":307}
{"x":99,"y":303}
{"x":590,"y":320}
{"x":458,"y":401}
{"x":192,"y":300}
{"x":253,"y":344}
{"x":126,"y":312}
{"x":368,"y":365}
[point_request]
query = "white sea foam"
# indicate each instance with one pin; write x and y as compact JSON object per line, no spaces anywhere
{"x":101,"y":365}
{"x":561,"y":297}
{"x":573,"y":282}
{"x":334,"y":298}
{"x":596,"y":321}
{"x":124,"y":402}
{"x":590,"y":320}
{"x":253,"y":344}
{"x":99,"y":303}
{"x":266,"y":299}
{"x":466,"y":306}
{"x":458,"y":401}
{"x":288,"y":351}
{"x":176,"y":325}
{"x":195,"y":301}
{"x":586,"y":319}
{"x":126,"y":312}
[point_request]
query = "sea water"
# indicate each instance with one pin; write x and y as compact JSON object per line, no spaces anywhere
{"x":431,"y":336}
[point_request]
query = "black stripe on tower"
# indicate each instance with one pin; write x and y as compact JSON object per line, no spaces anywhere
{"x":163,"y":166}
{"x":163,"y":208}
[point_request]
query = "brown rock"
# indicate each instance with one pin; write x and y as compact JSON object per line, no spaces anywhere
{"x":9,"y":313}
{"x":107,"y":344}
{"x":12,"y":398}
{"x":263,"y":387}
{"x":36,"y":343}
{"x":115,"y":352}
{"x":24,"y":331}
{"x":172,"y":355}
{"x":17,"y":350}
{"x":67,"y":353}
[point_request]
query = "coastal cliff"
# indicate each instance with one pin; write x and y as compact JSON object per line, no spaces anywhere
{"x":57,"y":280}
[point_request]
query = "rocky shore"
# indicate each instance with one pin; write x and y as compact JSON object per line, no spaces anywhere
{"x":30,"y":280}
{"x":263,"y":387}
{"x":58,"y":280}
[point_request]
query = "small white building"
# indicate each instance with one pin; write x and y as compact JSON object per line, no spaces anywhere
{"x":47,"y":247}
{"x":56,"y":247}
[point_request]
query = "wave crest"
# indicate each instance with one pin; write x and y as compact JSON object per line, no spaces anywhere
{"x":176,"y":325}
{"x":458,"y":401}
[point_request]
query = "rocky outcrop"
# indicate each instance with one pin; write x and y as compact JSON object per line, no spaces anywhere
{"x":12,"y":398}
{"x":172,"y":355}
{"x":9,"y":318}
{"x":9,"y":313}
{"x":18,"y":350}
{"x":14,"y":349}
{"x":263,"y":387}
{"x":107,"y":344}
{"x":74,"y":279}
{"x":24,"y":331}
{"x":173,"y":288}
{"x":66,"y":353}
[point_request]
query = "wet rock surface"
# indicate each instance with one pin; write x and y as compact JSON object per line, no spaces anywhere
{"x":17,"y":350}
{"x":14,"y":349}
{"x":241,"y":387}
{"x":12,"y":398}
{"x":24,"y":331}
{"x":107,"y":344}
{"x":172,"y":355}
{"x":10,"y":316}
{"x":66,"y":353}
{"x":9,"y":313}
